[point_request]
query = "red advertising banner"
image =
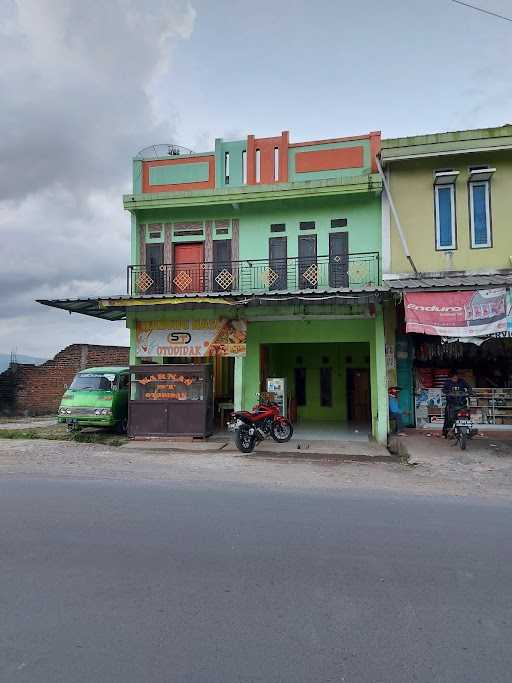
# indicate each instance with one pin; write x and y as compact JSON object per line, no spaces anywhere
{"x":457,"y":314}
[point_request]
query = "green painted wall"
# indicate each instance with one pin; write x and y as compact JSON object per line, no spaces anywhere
{"x":411,"y":184}
{"x":235,"y":149}
{"x":363,"y":213}
{"x":284,"y":358}
{"x":321,"y":175}
{"x":321,"y":332}
{"x":137,"y":177}
{"x":179,"y":173}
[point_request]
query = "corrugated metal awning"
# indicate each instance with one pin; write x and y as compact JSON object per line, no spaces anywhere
{"x":115,"y":307}
{"x":449,"y":283}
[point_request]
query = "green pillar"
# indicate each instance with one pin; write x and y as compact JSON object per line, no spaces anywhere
{"x":379,"y":381}
{"x":251,"y":384}
{"x":133,"y":341}
{"x":239,"y":382}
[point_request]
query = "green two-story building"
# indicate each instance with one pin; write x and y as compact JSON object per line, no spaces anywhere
{"x":263,"y":258}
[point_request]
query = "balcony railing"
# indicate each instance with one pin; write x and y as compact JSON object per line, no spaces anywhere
{"x":255,"y":276}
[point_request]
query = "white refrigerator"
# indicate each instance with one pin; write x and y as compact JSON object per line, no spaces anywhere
{"x":277,"y":386}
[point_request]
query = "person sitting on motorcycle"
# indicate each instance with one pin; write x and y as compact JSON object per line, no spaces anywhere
{"x":456,"y":390}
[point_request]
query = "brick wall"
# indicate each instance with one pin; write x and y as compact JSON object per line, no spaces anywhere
{"x":38,"y":389}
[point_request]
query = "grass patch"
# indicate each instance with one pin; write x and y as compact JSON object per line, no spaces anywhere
{"x":53,"y":432}
{"x":97,"y":436}
{"x":60,"y":433}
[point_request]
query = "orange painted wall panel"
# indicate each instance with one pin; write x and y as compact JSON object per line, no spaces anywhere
{"x":329,"y":159}
{"x":266,"y":147}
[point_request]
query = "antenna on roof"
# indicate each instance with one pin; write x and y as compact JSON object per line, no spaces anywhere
{"x":167,"y":149}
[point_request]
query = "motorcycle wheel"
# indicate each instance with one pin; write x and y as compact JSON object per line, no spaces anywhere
{"x":463,"y":441}
{"x":244,"y":441}
{"x":281,"y":431}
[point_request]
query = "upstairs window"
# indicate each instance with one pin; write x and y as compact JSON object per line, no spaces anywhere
{"x":480,"y":207}
{"x":444,"y":200}
{"x":258,"y":165}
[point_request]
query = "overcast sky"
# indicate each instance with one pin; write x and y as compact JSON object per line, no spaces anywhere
{"x":85,"y":85}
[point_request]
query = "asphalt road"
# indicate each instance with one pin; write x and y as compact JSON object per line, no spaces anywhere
{"x":133,"y":581}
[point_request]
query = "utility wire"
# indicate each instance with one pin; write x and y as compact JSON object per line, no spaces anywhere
{"x":481,"y":9}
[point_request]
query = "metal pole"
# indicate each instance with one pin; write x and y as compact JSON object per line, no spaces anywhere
{"x":395,"y":216}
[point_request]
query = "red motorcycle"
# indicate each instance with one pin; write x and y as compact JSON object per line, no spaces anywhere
{"x":251,"y":427}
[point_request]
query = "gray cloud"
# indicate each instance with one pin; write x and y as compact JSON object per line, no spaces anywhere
{"x":76,"y":87}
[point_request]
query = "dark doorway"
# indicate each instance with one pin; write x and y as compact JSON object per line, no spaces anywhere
{"x":222,"y":276}
{"x":358,"y":395}
{"x":308,"y":274}
{"x":155,"y":259}
{"x":338,"y":259}
{"x":277,"y":252}
{"x":300,"y":386}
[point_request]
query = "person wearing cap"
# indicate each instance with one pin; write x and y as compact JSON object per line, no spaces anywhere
{"x":395,"y":412}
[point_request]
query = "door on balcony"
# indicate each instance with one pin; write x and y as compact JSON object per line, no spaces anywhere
{"x":308,"y":269}
{"x":222,"y":273}
{"x":188,"y":267}
{"x":338,"y":259}
{"x":277,"y":273}
{"x":154,"y":259}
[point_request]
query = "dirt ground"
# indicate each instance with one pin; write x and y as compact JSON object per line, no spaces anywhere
{"x":484,"y":470}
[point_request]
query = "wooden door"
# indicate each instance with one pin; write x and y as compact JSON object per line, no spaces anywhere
{"x":338,"y":259}
{"x":277,"y":252}
{"x":308,"y":273}
{"x":358,"y":395}
{"x":188,"y":267}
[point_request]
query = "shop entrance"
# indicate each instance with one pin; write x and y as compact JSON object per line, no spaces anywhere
{"x":223,"y":372}
{"x":486,"y":366}
{"x":327,"y":385}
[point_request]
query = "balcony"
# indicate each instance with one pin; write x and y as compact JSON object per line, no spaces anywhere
{"x":253,"y":276}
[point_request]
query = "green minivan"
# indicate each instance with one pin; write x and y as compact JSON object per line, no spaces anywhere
{"x":97,"y":397}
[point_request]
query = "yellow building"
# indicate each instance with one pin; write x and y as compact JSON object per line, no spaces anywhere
{"x":447,"y":257}
{"x":453,"y":197}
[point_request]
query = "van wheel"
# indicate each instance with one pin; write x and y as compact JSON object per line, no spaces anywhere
{"x":122,"y":426}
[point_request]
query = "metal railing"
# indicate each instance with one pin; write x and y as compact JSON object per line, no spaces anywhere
{"x":253,"y":275}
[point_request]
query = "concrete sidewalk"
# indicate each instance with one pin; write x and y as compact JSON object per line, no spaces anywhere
{"x":294,"y":449}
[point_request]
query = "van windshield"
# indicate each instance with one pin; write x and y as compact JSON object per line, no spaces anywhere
{"x":93,"y":382}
